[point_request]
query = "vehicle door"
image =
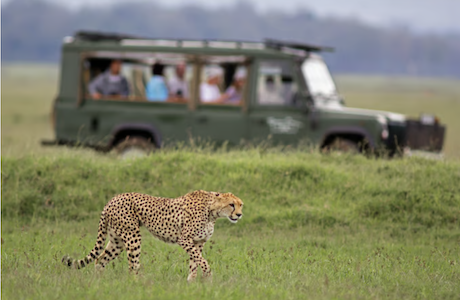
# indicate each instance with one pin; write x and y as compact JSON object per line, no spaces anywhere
{"x":219,"y":115}
{"x":277,"y":111}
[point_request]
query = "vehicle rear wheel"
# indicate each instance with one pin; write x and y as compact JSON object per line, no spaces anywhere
{"x":342,"y":145}
{"x":133,"y":147}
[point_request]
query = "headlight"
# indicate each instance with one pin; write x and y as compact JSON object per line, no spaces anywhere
{"x":383,"y":121}
{"x":385,"y":134}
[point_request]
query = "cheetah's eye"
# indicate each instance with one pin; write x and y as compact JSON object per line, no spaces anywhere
{"x":232,"y":205}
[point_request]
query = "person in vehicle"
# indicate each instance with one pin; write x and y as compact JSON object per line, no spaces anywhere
{"x":177,"y":85}
{"x":110,"y":83}
{"x":235,"y":90}
{"x":209,"y":90}
{"x":156,"y":89}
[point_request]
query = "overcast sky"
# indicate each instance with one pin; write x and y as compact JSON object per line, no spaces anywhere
{"x":420,"y":15}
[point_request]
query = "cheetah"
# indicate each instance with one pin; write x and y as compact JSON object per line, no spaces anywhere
{"x":187,"y":221}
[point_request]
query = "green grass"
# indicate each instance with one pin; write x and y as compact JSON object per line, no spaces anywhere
{"x":315,"y":226}
{"x":248,"y":263}
{"x":318,"y":226}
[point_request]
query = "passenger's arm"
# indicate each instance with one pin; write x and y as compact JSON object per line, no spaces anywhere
{"x":208,"y":96}
{"x":221,"y":99}
{"x":94,"y":87}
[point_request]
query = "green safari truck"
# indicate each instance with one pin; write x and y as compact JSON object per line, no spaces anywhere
{"x":130,"y":93}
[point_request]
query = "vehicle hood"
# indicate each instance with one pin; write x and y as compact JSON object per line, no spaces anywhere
{"x":337,"y":107}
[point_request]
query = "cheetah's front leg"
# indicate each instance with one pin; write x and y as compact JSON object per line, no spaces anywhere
{"x":194,"y":251}
{"x":206,"y":271}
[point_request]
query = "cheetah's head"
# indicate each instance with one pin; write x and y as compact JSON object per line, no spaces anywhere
{"x":228,"y":206}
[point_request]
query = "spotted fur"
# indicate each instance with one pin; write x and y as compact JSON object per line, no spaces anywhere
{"x":187,"y":221}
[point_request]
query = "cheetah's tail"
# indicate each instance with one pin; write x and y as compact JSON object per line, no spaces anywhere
{"x":97,"y":250}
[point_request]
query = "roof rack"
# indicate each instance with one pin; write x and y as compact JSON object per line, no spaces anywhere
{"x":102,"y":36}
{"x":279,"y":45}
{"x":127,"y":39}
{"x":95,"y":36}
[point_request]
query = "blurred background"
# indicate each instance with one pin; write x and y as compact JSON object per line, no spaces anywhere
{"x":398,"y":55}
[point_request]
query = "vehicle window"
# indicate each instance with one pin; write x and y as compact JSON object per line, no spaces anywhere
{"x":276,"y":84}
{"x":318,"y":78}
{"x":144,"y":77}
{"x":223,"y":80}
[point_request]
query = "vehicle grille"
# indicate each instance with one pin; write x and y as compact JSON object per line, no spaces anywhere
{"x":396,"y":137}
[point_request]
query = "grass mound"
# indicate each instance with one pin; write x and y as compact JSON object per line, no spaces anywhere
{"x":280,"y":189}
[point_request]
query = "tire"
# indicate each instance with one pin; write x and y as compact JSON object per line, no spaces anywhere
{"x":134,"y":147}
{"x":342,"y":145}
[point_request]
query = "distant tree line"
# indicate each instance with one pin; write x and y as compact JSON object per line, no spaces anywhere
{"x":32,"y":30}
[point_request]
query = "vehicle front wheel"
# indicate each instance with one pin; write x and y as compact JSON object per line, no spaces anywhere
{"x":342,"y":145}
{"x":133,"y":147}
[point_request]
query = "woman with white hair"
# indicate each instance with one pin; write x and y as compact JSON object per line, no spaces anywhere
{"x":209,"y":90}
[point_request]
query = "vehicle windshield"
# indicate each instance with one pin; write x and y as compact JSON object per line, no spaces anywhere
{"x":319,"y":80}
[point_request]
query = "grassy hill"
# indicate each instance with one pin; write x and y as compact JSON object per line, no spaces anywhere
{"x":415,"y":192}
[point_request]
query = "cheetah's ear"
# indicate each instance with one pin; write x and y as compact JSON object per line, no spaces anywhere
{"x":216,"y":201}
{"x":215,"y":194}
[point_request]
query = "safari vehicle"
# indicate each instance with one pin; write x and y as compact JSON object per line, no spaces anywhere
{"x":287,"y":95}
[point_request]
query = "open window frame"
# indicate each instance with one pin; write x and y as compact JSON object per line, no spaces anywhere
{"x":230,"y":65}
{"x":94,"y":62}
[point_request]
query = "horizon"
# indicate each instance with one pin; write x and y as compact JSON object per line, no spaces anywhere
{"x":423,"y":17}
{"x":363,"y":47}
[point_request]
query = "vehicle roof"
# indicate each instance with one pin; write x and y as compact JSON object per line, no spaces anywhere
{"x":92,"y":40}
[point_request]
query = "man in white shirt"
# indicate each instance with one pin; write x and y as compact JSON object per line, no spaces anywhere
{"x":177,"y":85}
{"x":209,"y":90}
